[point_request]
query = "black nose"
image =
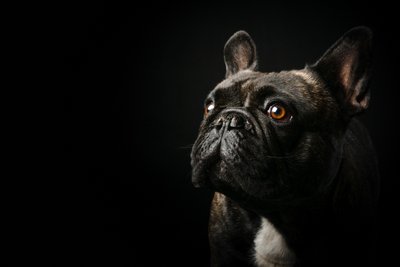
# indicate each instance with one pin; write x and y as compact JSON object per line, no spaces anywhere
{"x":233,"y":120}
{"x":236,"y":121}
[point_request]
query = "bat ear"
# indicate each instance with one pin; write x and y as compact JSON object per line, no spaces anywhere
{"x":345,"y":68}
{"x":240,"y":53}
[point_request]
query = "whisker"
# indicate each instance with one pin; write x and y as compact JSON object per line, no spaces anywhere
{"x":189,"y":146}
{"x":281,"y":157}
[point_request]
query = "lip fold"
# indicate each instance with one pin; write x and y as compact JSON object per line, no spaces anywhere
{"x":201,"y":169}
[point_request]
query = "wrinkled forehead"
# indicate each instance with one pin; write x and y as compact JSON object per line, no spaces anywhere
{"x":238,"y":79}
{"x":297,"y":84}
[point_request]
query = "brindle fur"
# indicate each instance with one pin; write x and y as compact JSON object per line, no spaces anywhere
{"x":309,"y":186}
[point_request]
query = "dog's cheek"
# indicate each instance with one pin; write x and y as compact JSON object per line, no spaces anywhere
{"x":305,"y":169}
{"x":286,"y":138}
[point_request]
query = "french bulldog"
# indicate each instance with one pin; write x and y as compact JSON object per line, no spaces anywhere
{"x":294,"y":171}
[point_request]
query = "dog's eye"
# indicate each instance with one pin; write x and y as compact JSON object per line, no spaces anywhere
{"x":209,"y":107}
{"x":279,"y":113}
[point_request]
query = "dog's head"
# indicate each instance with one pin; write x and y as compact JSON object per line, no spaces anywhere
{"x":270,"y":137}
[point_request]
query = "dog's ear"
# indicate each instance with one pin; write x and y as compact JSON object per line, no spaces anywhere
{"x":345,"y":69}
{"x":240,"y":53}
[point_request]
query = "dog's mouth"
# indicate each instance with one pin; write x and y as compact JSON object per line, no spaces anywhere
{"x":236,"y":171}
{"x":233,"y":159}
{"x":220,"y":143}
{"x":260,"y":194}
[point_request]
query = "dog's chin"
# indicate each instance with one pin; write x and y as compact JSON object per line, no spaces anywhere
{"x":222,"y":177}
{"x":209,"y":175}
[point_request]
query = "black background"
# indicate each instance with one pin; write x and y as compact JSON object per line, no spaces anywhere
{"x":135,"y":81}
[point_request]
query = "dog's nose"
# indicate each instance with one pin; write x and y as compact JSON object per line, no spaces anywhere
{"x":236,"y":121}
{"x":232,"y":121}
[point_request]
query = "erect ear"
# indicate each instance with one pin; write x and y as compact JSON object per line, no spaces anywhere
{"x":345,"y":68}
{"x":240,"y":53}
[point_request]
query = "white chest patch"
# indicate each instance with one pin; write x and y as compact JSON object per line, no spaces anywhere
{"x":270,"y":248}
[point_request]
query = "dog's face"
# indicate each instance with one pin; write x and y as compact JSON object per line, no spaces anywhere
{"x":275,"y":137}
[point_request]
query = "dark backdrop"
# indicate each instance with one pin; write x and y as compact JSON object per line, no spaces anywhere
{"x":135,"y":82}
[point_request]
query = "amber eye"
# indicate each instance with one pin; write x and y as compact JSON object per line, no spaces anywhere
{"x":279,"y":113}
{"x":209,"y":107}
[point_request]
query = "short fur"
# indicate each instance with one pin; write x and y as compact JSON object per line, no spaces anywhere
{"x":299,"y":192}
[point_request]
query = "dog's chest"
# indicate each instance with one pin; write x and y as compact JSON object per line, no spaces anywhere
{"x":270,"y":248}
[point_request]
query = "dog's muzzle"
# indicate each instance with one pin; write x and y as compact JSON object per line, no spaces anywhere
{"x":233,"y":119}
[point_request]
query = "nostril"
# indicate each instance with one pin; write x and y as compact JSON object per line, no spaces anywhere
{"x":236,"y":122}
{"x":219,"y":123}
{"x":248,"y":125}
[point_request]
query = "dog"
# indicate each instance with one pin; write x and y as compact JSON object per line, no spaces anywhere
{"x":294,"y":172}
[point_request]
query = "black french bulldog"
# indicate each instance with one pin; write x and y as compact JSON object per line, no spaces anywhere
{"x":294,"y":173}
